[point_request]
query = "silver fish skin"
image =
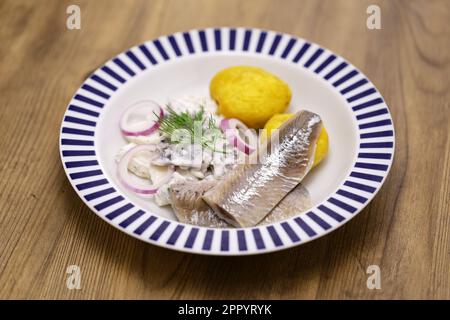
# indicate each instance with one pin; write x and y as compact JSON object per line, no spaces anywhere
{"x":189,"y":207}
{"x":295,"y":202}
{"x":252,"y":190}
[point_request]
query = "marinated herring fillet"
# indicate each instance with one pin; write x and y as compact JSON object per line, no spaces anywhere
{"x":253,"y":189}
{"x":190,"y":208}
{"x":295,"y":202}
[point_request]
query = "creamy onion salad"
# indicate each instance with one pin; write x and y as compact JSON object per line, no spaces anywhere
{"x":186,"y":140}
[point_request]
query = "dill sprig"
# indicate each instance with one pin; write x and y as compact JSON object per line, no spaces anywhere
{"x":182,"y":127}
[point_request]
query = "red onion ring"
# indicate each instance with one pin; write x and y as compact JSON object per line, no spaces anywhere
{"x":136,"y":184}
{"x":232,"y":129}
{"x":145,"y":109}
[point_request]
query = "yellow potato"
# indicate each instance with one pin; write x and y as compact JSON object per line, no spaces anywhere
{"x":322,"y":143}
{"x":249,"y":94}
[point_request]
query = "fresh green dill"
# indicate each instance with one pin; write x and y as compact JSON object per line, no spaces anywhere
{"x":182,"y":127}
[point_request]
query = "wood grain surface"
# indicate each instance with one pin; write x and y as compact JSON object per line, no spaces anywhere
{"x":45,"y":227}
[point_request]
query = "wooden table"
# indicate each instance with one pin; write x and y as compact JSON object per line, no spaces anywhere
{"x":45,"y":227}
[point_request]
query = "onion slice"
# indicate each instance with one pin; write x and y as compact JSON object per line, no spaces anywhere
{"x":239,"y":135}
{"x":140,"y":118}
{"x":132,"y":182}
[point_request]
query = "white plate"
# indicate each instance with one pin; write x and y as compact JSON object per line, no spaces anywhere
{"x":357,"y":119}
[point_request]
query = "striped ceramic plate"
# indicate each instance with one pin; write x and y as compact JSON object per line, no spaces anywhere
{"x":355,"y":115}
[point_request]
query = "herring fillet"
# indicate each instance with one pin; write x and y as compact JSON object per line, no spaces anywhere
{"x":252,"y":190}
{"x":190,"y":208}
{"x":295,"y":202}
